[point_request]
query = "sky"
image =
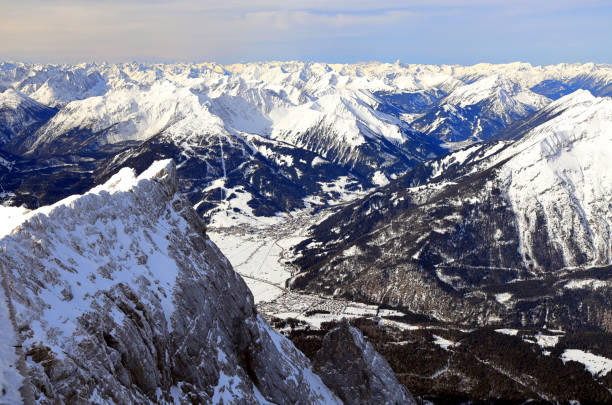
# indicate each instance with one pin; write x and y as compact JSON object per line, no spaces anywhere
{"x":334,"y":31}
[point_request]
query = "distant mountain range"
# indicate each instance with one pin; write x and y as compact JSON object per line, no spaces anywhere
{"x":275,"y":135}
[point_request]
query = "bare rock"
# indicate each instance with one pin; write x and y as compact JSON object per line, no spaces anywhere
{"x":351,"y":367}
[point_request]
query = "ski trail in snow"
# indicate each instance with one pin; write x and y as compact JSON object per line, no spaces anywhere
{"x":222,"y":167}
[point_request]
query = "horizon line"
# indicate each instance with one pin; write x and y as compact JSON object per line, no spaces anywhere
{"x":398,"y":62}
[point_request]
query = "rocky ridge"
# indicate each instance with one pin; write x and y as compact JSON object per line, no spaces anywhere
{"x":120,"y":297}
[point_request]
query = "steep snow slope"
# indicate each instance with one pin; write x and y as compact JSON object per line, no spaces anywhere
{"x":10,"y":378}
{"x":123,"y":280}
{"x":560,"y":175}
{"x":556,"y":176}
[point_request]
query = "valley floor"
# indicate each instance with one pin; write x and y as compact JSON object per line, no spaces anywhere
{"x":262,"y":256}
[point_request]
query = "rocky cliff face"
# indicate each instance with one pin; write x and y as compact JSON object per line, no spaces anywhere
{"x":352,"y":368}
{"x":118,"y":296}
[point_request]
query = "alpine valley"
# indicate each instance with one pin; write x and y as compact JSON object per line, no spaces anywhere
{"x":305,"y":233}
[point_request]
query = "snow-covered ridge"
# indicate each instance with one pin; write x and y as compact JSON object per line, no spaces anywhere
{"x":498,"y":88}
{"x":561,"y":171}
{"x":11,"y":379}
{"x":557,"y":178}
{"x":124,"y":181}
{"x":13,"y":99}
{"x":123,"y":279}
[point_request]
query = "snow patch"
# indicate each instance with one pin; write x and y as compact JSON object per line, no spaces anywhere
{"x":510,"y":332}
{"x":443,"y":343}
{"x":599,"y":366}
{"x":503,"y":298}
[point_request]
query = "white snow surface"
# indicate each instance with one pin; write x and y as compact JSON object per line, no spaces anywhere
{"x":502,"y":298}
{"x":257,"y":258}
{"x":505,"y":331}
{"x":599,"y":366}
{"x":586,"y":284}
{"x":10,"y":218}
{"x":445,"y":344}
{"x":547,"y":340}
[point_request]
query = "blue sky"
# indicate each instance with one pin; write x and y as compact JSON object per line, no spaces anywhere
{"x":416,"y":31}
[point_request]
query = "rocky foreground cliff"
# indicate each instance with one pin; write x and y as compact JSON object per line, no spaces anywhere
{"x":118,"y":296}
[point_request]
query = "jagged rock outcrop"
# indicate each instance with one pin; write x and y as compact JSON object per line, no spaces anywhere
{"x":120,"y":297}
{"x":356,"y":372}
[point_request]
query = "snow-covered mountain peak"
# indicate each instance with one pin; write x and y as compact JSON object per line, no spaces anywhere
{"x":12,"y":99}
{"x":126,"y":179}
{"x":496,"y":87}
{"x":577,"y":97}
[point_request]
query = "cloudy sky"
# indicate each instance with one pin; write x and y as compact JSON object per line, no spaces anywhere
{"x":227,"y":31}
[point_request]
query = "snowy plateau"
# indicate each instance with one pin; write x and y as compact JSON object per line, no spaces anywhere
{"x":289,"y":232}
